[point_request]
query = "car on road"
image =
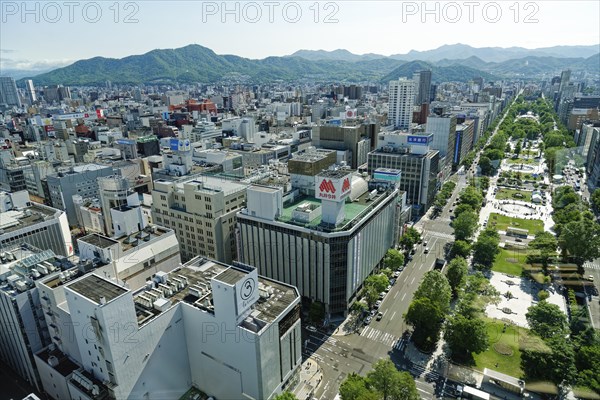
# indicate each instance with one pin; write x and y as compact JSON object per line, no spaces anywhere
{"x":368,"y":320}
{"x":387,"y":289}
{"x":378,"y":304}
{"x":311,"y":328}
{"x":381,"y":295}
{"x":396,"y":274}
{"x":379,"y":316}
{"x":590,"y":278}
{"x":392,"y":282}
{"x":425,"y":243}
{"x":410,"y":257}
{"x":372,"y":313}
{"x":426,"y":250}
{"x":518,"y":240}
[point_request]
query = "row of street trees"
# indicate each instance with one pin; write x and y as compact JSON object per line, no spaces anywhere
{"x":384,"y":382}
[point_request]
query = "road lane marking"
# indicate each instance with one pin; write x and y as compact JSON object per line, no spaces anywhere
{"x":413,"y":281}
{"x":402,"y":299}
{"x":393,"y":315}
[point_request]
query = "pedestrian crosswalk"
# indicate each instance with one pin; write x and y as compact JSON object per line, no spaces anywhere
{"x":591,"y":265}
{"x":382,"y":337}
{"x":441,"y":235}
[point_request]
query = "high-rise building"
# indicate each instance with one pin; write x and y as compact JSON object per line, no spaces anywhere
{"x":8,"y":92}
{"x":593,"y":161}
{"x":219,"y":328}
{"x":30,"y":89}
{"x":357,"y":139}
{"x":420,"y":165}
{"x":81,"y":180}
{"x":565,"y":78}
{"x":400,"y":104}
{"x":463,"y":143}
{"x":201,"y":211}
{"x":113,"y":192}
{"x":423,"y":80}
{"x":443,"y":128}
{"x":322,"y":244}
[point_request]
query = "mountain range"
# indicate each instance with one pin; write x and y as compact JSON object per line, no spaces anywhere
{"x":195,"y":63}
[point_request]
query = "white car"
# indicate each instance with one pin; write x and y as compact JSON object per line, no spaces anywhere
{"x":311,"y":328}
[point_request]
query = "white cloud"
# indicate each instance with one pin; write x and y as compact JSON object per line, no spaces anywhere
{"x":39,"y":65}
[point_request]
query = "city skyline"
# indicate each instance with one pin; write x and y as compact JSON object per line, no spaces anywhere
{"x":313,"y":26}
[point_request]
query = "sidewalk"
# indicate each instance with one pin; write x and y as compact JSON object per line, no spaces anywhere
{"x":311,"y":376}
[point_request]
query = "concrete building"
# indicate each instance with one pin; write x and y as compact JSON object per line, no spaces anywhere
{"x":324,"y":245}
{"x":8,"y":92}
{"x":38,"y":225}
{"x":593,"y":161}
{"x":359,"y":140}
{"x":219,"y":328}
{"x":201,"y":211}
{"x":113,"y":191}
{"x":420,"y":165}
{"x":463,"y":143}
{"x":423,"y":80}
{"x":443,"y":128}
{"x":81,"y":180}
{"x":584,"y":136}
{"x":23,"y":328}
{"x":400,"y":104}
{"x":30,"y":90}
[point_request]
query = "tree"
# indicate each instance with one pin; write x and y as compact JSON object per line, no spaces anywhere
{"x":371,"y":295}
{"x":547,"y":244}
{"x":426,"y":319}
{"x":465,"y":225}
{"x":316,"y":313}
{"x":518,"y":148}
{"x":472,"y":197}
{"x":393,"y":259}
{"x":435,"y":287}
{"x":461,"y":208}
{"x":555,"y":364}
{"x":460,"y":248}
{"x":581,"y":240}
{"x":547,"y":320}
{"x":379,"y":282}
{"x":507,"y":149}
{"x":466,"y":336}
{"x":457,"y":274}
{"x":595,"y":200}
{"x":354,"y":387}
{"x":285,"y":396}
{"x":486,"y":166}
{"x":390,"y":383}
{"x":486,"y":248}
{"x":410,"y":238}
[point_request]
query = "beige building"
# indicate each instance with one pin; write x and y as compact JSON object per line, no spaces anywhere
{"x":201,"y":211}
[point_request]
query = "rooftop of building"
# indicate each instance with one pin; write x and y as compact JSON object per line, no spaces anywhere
{"x":22,"y":218}
{"x":58,"y":360}
{"x":97,"y":289}
{"x":206,"y":183}
{"x":21,"y":265}
{"x":354,"y":211}
{"x":191,"y":284}
{"x":149,"y":233}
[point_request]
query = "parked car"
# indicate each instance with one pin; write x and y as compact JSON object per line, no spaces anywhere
{"x":590,"y":278}
{"x":381,"y":295}
{"x":387,"y":289}
{"x":368,"y":320}
{"x":392,"y":282}
{"x":311,"y":328}
{"x":378,"y":304}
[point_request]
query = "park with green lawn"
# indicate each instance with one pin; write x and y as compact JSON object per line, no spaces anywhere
{"x":506,"y":341}
{"x":510,"y":261}
{"x":513,"y":194}
{"x":502,"y":222}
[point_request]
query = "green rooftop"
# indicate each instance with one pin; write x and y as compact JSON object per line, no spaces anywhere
{"x":352,"y":209}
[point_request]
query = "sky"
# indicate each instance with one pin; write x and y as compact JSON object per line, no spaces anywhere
{"x":41,"y":34}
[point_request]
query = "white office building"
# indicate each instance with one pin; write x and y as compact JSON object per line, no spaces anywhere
{"x":212,"y":326}
{"x":400,"y":104}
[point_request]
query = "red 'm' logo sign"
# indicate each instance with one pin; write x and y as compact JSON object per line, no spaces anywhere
{"x":327,"y":186}
{"x":346,"y":185}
